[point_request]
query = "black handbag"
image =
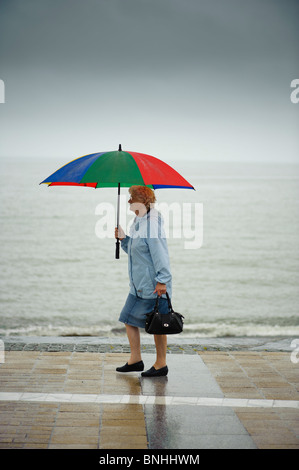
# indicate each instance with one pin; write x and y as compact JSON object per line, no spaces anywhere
{"x":170,"y":323}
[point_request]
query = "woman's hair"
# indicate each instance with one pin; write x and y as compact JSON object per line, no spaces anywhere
{"x":143,"y":194}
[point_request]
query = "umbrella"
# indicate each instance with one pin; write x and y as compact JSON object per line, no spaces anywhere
{"x":117,"y":169}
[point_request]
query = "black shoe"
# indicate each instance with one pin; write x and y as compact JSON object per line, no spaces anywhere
{"x":137,"y":367}
{"x":152,"y":372}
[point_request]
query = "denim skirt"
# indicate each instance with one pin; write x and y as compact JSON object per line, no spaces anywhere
{"x":135,"y":310}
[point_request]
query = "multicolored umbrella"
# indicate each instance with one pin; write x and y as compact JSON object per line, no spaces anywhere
{"x":117,"y":169}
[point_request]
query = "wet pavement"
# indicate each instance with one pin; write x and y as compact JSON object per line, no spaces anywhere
{"x":211,"y":399}
{"x":188,"y":422}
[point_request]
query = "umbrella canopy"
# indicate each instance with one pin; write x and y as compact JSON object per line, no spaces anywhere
{"x":109,"y":169}
{"x":117,"y":169}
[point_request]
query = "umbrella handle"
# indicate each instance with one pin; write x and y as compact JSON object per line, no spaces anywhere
{"x":117,"y":249}
{"x":117,"y":242}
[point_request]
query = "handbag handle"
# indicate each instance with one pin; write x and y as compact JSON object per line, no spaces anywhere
{"x":168,"y":300}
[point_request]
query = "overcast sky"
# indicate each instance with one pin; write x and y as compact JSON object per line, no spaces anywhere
{"x":178,"y":79}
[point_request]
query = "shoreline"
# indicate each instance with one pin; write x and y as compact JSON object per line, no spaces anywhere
{"x":176,"y":344}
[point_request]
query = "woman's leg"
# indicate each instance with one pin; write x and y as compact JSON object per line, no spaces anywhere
{"x":161,"y":348}
{"x":134,"y":340}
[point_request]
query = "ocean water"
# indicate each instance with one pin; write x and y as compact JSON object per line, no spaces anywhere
{"x":58,"y":277}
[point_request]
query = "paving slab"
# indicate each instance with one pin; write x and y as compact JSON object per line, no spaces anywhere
{"x":211,"y":399}
{"x":187,"y":426}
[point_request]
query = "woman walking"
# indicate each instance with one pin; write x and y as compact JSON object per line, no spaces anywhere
{"x":150,"y":276}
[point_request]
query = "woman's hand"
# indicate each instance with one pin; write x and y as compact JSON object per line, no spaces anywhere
{"x":119,"y":233}
{"x":160,"y":289}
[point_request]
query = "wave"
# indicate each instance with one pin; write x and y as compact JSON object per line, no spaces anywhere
{"x":250,"y":329}
{"x":195,"y":330}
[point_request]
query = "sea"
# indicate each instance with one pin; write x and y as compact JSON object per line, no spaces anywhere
{"x":233,"y":246}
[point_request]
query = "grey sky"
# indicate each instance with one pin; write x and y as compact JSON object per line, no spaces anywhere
{"x":195,"y":79}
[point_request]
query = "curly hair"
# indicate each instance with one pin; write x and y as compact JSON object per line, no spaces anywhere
{"x":144,"y":194}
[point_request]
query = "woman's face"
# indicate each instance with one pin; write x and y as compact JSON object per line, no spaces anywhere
{"x":137,"y":206}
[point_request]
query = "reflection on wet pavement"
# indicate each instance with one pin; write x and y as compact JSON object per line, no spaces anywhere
{"x":185,"y":426}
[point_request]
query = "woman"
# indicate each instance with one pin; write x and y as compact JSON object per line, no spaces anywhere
{"x":149,"y":273}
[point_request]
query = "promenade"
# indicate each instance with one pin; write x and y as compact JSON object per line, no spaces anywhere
{"x":221,"y":393}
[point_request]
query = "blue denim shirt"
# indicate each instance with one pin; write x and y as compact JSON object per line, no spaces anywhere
{"x":148,"y":259}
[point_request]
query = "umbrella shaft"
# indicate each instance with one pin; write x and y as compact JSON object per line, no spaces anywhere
{"x":118,"y":199}
{"x":117,"y":224}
